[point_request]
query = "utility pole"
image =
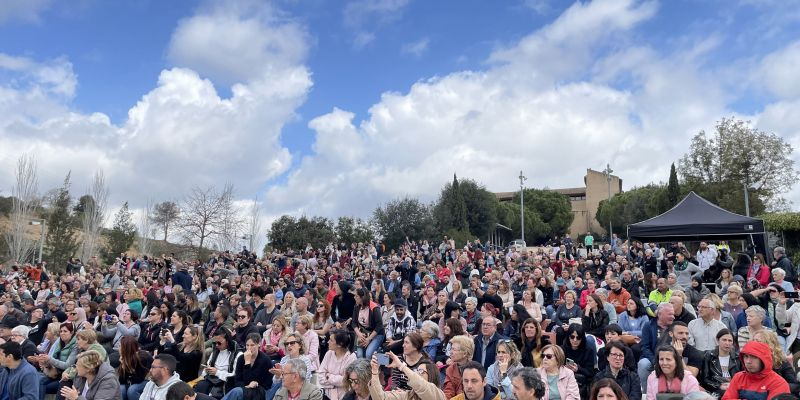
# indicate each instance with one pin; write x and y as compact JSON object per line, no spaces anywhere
{"x":522,"y":180}
{"x":608,"y":172}
{"x":746,"y":197}
{"x":43,"y":223}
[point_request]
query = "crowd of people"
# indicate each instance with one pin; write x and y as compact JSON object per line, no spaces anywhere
{"x":424,"y":321}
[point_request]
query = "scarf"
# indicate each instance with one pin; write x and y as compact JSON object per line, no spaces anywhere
{"x":61,"y":351}
{"x":674,"y":385}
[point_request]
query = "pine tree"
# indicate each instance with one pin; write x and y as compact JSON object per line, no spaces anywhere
{"x":62,"y":242}
{"x":673,"y":189}
{"x":122,"y":233}
{"x":458,"y":207}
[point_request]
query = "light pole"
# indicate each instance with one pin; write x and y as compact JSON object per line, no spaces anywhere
{"x":43,"y":223}
{"x":522,"y":180}
{"x":608,"y":172}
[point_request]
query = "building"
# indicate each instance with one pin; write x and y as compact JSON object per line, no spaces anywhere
{"x":584,"y":200}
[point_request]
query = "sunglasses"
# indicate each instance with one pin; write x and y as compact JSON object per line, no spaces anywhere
{"x":291,"y":343}
{"x":548,"y":356}
{"x":574,"y":337}
{"x":242,"y":316}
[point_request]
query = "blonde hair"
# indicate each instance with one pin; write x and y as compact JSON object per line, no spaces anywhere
{"x":771,"y":340}
{"x":90,"y":360}
{"x":134,"y":294}
{"x":513,"y":351}
{"x":90,"y":336}
{"x":299,"y":338}
{"x":306,"y":320}
{"x":466,"y":343}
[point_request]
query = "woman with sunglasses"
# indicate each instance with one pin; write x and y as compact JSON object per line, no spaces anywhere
{"x":580,"y":357}
{"x":189,"y":352}
{"x":506,"y":362}
{"x":423,"y":381}
{"x":295,"y":348}
{"x":331,"y":372}
{"x":557,"y":376}
{"x":358,"y":375}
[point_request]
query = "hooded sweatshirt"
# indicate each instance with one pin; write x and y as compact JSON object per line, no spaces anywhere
{"x":762,"y":385}
{"x":155,"y":392}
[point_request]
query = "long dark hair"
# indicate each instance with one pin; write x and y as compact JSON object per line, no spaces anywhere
{"x":611,"y":384}
{"x":128,"y":356}
{"x":522,"y":313}
{"x":576,"y":329}
{"x":675,"y":355}
{"x":456,"y":329}
{"x":639,"y":308}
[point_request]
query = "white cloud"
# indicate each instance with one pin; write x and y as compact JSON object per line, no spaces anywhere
{"x":181,"y":133}
{"x":364,"y":17}
{"x":235,"y":43}
{"x":551,"y":105}
{"x":24,"y":10}
{"x":780,"y":71}
{"x":416,"y":48}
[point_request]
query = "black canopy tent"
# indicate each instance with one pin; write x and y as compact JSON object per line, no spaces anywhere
{"x":695,"y":218}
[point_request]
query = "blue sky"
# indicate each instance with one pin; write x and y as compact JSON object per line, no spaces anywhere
{"x":333,"y":107}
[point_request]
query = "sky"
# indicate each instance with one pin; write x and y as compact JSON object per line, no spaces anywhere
{"x":335,"y":107}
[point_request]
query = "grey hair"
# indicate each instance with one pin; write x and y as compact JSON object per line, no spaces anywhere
{"x":756,"y":309}
{"x":780,"y":271}
{"x":21,"y":330}
{"x":662,"y":306}
{"x":780,"y":250}
{"x":363,"y":371}
{"x":431,"y":327}
{"x":601,"y":292}
{"x":298,"y":366}
{"x":471,"y":300}
{"x":530,"y":379}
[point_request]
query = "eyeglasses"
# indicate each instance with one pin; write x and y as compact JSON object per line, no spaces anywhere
{"x":421,"y":371}
{"x":242,"y":316}
{"x":616,"y":355}
{"x":548,"y":356}
{"x":291,"y":343}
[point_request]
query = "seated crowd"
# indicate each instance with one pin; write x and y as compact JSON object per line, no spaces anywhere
{"x":424,"y":321}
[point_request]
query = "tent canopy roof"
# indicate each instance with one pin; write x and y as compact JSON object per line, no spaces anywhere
{"x":695,"y":216}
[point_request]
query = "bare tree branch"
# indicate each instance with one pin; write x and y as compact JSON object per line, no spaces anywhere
{"x":24,"y":201}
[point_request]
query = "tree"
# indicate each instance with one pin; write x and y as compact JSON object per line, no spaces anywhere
{"x":91,"y":212}
{"x":738,"y":156}
{"x":353,"y":230}
{"x":673,"y":187}
{"x":164,"y":215}
{"x":24,"y":200}
{"x":232,"y":225}
{"x":547,"y":213}
{"x":122,"y":234}
{"x":451,"y":209}
{"x":203,"y":212}
{"x":145,"y":228}
{"x":635,"y":205}
{"x":403,"y":218}
{"x":61,"y":236}
{"x":290,"y":233}
{"x":254,"y":226}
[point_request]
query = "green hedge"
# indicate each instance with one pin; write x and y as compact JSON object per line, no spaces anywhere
{"x":782,"y":222}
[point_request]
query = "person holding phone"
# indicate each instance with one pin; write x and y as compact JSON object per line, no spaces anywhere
{"x":423,"y":381}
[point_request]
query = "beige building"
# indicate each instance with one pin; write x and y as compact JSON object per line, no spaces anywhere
{"x":584,"y":200}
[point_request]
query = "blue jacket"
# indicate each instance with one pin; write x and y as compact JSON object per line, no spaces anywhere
{"x":491,"y":349}
{"x":22,"y":383}
{"x":649,"y":340}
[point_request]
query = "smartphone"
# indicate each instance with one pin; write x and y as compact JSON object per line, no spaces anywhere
{"x":383,"y":359}
{"x":791,"y":295}
{"x":569,"y":361}
{"x":109,"y":318}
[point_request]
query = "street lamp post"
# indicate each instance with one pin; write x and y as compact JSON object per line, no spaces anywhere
{"x":608,"y":172}
{"x":522,"y":180}
{"x":43,"y":223}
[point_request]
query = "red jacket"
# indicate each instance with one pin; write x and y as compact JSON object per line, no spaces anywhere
{"x":761,"y":385}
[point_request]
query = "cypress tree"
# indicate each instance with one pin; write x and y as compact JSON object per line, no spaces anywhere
{"x":673,"y":189}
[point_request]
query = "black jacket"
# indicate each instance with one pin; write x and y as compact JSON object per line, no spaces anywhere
{"x":628,"y":380}
{"x":149,"y":336}
{"x":188,"y":363}
{"x":491,"y":349}
{"x":711,"y":374}
{"x":258,"y":372}
{"x":374,"y":322}
{"x":242,"y":332}
{"x":595,"y":323}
